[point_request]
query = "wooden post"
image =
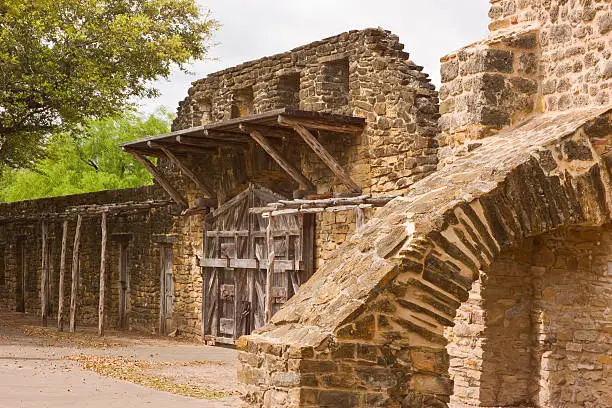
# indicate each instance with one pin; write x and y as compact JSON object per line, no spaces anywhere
{"x":44,"y":276}
{"x":176,"y":196}
{"x":270,"y":270}
{"x":62,"y":272}
{"x":327,"y":158}
{"x":75,"y":274}
{"x":278,"y":158}
{"x":102,"y":277}
{"x":359,"y":218}
{"x":203,"y":274}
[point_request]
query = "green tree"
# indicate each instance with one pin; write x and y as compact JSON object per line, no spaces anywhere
{"x":91,"y":161}
{"x":66,"y":61}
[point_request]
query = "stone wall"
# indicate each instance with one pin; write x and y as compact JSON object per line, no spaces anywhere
{"x":540,"y":56}
{"x":362,"y":73}
{"x":535,"y":330}
{"x":142,"y":261}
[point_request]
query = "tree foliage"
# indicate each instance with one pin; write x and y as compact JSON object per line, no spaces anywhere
{"x":91,"y":161}
{"x":65,"y":61}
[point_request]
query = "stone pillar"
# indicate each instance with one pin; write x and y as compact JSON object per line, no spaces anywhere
{"x":486,"y":87}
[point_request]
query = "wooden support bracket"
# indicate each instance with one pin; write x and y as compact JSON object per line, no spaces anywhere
{"x":158,"y":176}
{"x":202,"y":185}
{"x":324,"y":155}
{"x":278,"y":158}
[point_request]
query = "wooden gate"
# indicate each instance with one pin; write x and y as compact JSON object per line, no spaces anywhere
{"x":236,"y":262}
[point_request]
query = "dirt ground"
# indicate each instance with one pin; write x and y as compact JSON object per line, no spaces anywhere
{"x":42,"y":368}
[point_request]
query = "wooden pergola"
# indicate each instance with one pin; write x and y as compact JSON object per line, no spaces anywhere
{"x":78,"y":212}
{"x":240,"y":133}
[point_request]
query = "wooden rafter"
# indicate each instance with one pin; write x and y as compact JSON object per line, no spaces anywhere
{"x":278,"y":158}
{"x":158,"y":176}
{"x":268,"y":131}
{"x":324,"y":155}
{"x":202,"y":185}
{"x":209,"y":142}
{"x":322,"y":124}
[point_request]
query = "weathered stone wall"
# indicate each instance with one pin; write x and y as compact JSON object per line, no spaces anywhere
{"x":535,"y":330}
{"x":490,"y":343}
{"x":362,"y":73}
{"x":486,"y":87}
{"x":540,"y":56}
{"x":575,"y":39}
{"x":143,"y":257}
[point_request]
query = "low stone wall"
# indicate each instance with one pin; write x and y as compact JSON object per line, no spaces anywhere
{"x":21,"y":250}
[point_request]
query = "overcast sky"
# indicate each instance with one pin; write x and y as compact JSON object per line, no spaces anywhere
{"x":253,"y":29}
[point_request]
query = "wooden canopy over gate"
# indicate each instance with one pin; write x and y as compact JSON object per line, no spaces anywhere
{"x":241,"y":132}
{"x":250,"y":268}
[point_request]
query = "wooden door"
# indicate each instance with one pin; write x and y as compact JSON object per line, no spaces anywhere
{"x":166,"y":290}
{"x":124,"y":286}
{"x":20,"y":287}
{"x":236,"y":261}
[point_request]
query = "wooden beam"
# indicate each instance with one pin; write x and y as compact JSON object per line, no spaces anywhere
{"x":75,"y":274}
{"x":159,"y":177}
{"x":269,"y":131}
{"x":359,"y":218}
{"x":44,"y":277}
{"x":201,"y":184}
{"x":102,"y":277}
{"x":62,"y":273}
{"x":327,"y":158}
{"x":322,"y":124}
{"x":282,"y":162}
{"x":209,"y":142}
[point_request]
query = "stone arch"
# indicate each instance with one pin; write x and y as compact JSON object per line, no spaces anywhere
{"x":376,"y":313}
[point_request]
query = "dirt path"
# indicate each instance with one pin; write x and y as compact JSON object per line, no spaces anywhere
{"x":42,"y":368}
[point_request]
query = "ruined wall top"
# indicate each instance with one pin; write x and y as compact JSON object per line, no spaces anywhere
{"x":318,"y":76}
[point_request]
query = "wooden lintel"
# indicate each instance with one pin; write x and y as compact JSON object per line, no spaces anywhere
{"x":176,"y":196}
{"x":282,"y":162}
{"x":327,"y":158}
{"x":320,"y":124}
{"x":202,"y":185}
{"x":268,"y":131}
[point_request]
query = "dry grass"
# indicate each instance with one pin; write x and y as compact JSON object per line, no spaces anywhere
{"x":139,"y":372}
